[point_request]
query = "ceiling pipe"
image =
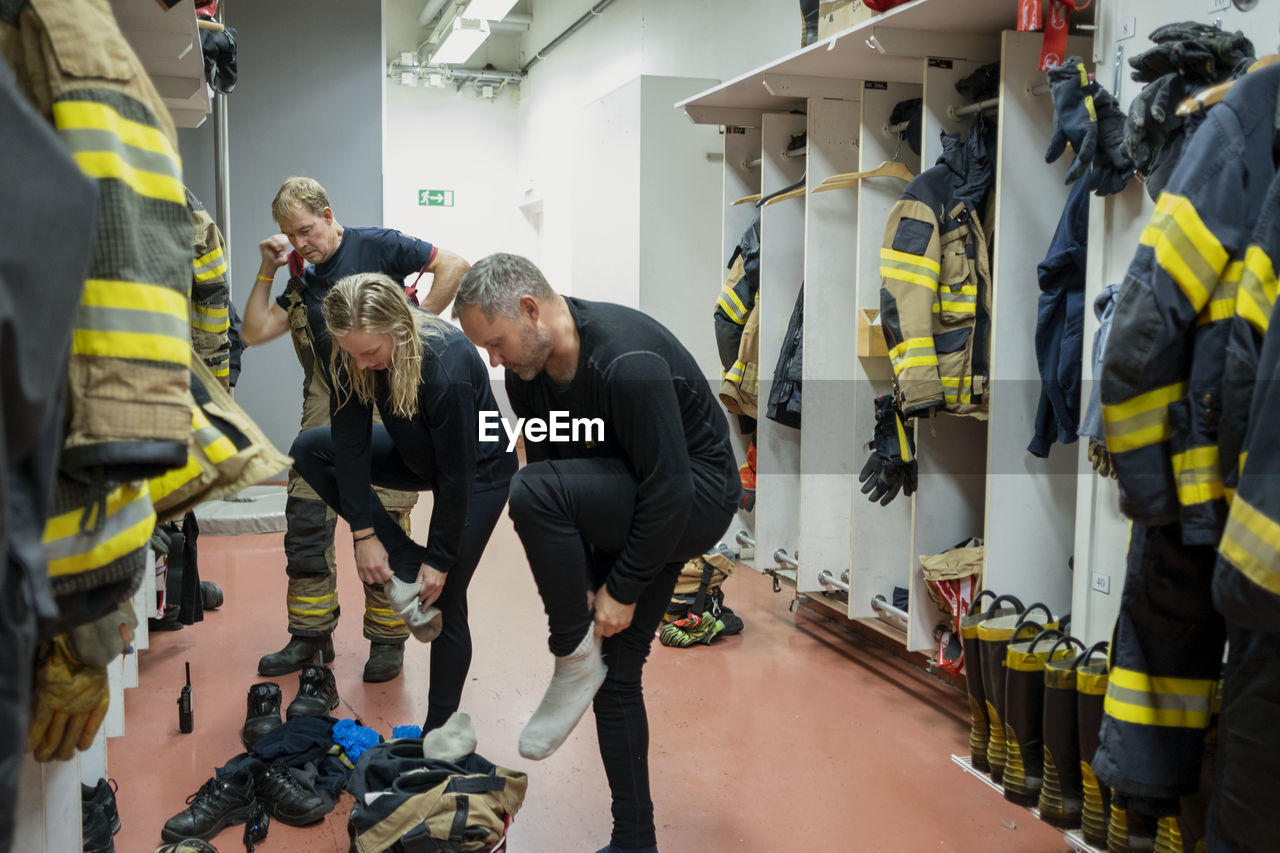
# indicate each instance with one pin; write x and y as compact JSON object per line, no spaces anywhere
{"x":593,"y":12}
{"x":430,"y":11}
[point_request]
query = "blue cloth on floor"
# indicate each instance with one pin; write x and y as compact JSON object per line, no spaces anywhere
{"x":405,"y":731}
{"x":354,"y":738}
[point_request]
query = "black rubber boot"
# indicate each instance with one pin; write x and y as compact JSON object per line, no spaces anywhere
{"x":218,"y":804}
{"x":317,"y":693}
{"x":296,"y":654}
{"x":1024,"y":713}
{"x":287,"y":799}
{"x":979,"y":731}
{"x":1061,"y":796}
{"x":1091,"y":690}
{"x":385,"y":660}
{"x":263,"y":712}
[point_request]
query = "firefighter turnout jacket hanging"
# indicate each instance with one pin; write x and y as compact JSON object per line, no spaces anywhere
{"x":935,"y":293}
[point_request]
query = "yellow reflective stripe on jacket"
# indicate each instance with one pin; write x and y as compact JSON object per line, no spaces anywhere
{"x":1251,"y":543}
{"x":1198,"y":474}
{"x":957,"y":389}
{"x":738,"y":311}
{"x":1222,"y":304}
{"x":1135,"y":697}
{"x":1257,"y":294}
{"x":913,"y":269}
{"x":215,"y":445}
{"x":1185,"y":248}
{"x":128,"y":319}
{"x":209,"y":266}
{"x":1141,"y":421}
{"x":170,"y":481}
{"x":106,"y":145}
{"x":964,"y":300}
{"x":913,"y":352}
{"x":734,"y":374}
{"x":207,"y":319}
{"x":79,"y":540}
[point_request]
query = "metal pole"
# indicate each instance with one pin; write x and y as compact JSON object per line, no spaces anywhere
{"x":222,"y":161}
{"x":827,"y":579}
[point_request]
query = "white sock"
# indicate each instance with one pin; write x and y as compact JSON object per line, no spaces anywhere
{"x":577,"y":677}
{"x":454,"y":740}
{"x":425,"y":625}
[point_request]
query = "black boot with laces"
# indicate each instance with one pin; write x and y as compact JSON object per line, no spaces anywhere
{"x":219,"y":803}
{"x":287,"y":799}
{"x":263,"y":712}
{"x":317,"y":693}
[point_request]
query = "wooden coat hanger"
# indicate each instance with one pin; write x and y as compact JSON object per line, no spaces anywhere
{"x":796,"y":193}
{"x":887,"y":169}
{"x":745,"y":199}
{"x":1206,"y":98}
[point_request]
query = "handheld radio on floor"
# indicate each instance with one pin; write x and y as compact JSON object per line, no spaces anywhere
{"x":186,"y":720}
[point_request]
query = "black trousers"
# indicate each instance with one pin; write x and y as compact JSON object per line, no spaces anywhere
{"x":313,"y":456}
{"x":573,"y":516}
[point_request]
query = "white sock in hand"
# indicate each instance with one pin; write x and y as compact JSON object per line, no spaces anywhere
{"x":425,"y":625}
{"x":577,"y":677}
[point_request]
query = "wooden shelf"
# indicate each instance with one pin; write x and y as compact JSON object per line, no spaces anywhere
{"x":167,"y":43}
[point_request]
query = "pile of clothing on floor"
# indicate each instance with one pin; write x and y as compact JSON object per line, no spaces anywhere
{"x":409,"y":788}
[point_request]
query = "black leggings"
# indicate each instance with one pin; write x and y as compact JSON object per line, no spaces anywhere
{"x":574,"y":516}
{"x":312,"y":452}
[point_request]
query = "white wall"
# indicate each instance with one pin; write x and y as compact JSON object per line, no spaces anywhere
{"x":712,"y":39}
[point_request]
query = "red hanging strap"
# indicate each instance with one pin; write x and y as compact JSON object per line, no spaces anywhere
{"x":1053,"y":49}
{"x":1028,"y":15}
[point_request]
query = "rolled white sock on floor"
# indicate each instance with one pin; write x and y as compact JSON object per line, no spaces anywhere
{"x":454,"y":740}
{"x":577,"y":677}
{"x":425,"y":625}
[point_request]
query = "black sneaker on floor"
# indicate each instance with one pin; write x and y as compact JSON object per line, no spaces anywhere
{"x":317,"y":693}
{"x":287,"y":799}
{"x":101,"y":798}
{"x":732,"y":622}
{"x":218,"y":804}
{"x":95,"y":833}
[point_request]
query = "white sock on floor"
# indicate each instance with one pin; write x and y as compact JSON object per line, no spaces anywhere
{"x":454,"y":740}
{"x":577,"y":677}
{"x":425,"y":625}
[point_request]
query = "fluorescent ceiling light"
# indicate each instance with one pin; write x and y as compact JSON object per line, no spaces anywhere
{"x":488,"y":10}
{"x":464,"y":37}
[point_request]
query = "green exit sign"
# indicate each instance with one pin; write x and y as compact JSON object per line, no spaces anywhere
{"x":435,"y":198}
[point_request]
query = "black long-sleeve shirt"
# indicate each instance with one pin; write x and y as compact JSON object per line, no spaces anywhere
{"x":659,"y":413}
{"x":439,"y":444}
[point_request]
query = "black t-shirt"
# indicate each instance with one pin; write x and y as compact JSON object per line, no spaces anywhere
{"x":383,"y":250}
{"x":440,"y":443}
{"x":659,"y":413}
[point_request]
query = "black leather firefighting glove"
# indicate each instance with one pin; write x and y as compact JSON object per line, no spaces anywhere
{"x":892,"y":465}
{"x":1154,"y":133}
{"x":1198,"y":52}
{"x":1087,"y":117}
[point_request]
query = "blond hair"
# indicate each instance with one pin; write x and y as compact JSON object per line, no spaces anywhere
{"x":298,"y":192}
{"x":375,"y":303}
